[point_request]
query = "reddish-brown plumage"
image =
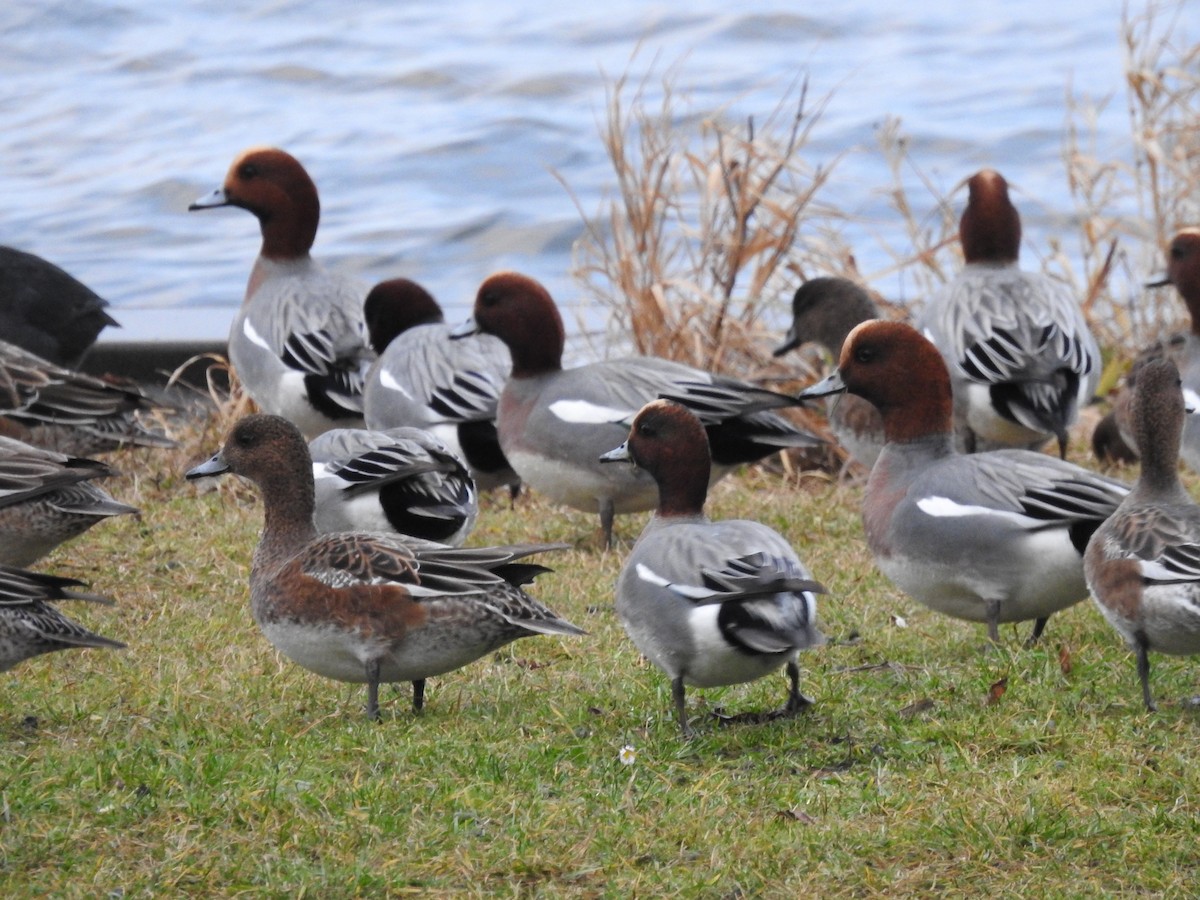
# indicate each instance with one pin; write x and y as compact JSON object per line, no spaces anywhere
{"x":990,"y":227}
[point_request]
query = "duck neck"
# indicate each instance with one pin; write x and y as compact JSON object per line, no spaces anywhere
{"x":289,"y":231}
{"x":289,"y":504}
{"x":928,"y":421}
{"x":541,"y":353}
{"x":1159,"y":453}
{"x":990,"y":227}
{"x":683,"y":489}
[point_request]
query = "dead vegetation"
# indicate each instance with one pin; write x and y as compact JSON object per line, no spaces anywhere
{"x":713,"y":223}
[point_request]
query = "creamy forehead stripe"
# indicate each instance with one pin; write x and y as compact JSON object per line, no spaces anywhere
{"x":581,"y":412}
{"x":945,"y":508}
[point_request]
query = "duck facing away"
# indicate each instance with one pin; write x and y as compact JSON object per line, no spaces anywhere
{"x":1022,"y":359}
{"x":552,"y":420}
{"x":824,"y":311}
{"x":59,"y":409}
{"x":364,"y":607}
{"x":988,"y":537}
{"x":30,"y":625}
{"x":47,"y":498}
{"x":299,"y":342}
{"x":402,"y":479}
{"x":1143,"y":564}
{"x":709,"y":603}
{"x":423,"y":379}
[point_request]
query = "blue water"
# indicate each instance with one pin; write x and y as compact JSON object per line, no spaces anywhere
{"x":438,"y":132}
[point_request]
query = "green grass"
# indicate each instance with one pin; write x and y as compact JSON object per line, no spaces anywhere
{"x":198,"y":761}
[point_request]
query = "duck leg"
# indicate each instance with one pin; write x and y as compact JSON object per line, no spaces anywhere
{"x":993,"y":621}
{"x":796,"y":701}
{"x":607,"y":514}
{"x":418,"y":695}
{"x":373,"y":690}
{"x":677,"y":693}
{"x":1143,"y":670}
{"x":1039,"y":625}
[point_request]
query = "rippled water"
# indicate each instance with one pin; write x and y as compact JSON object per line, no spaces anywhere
{"x":434,"y":129}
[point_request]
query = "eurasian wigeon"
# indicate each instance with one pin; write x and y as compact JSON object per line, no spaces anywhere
{"x":426,"y":380}
{"x":709,"y":603}
{"x":68,"y":411}
{"x":988,"y":537}
{"x":1182,"y":348}
{"x":552,"y":420}
{"x":370,"y":608}
{"x":47,"y":311}
{"x":299,"y":342}
{"x":47,"y":498}
{"x":824,"y":310}
{"x":30,"y":625}
{"x":1022,"y":359}
{"x":403,"y":480}
{"x":1143,"y":564}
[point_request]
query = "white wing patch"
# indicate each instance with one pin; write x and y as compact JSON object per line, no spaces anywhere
{"x":945,"y":508}
{"x":388,"y":380}
{"x":254,"y":336}
{"x":581,"y":412}
{"x":648,"y":575}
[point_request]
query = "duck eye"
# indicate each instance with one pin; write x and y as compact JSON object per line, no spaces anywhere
{"x":247,"y":171}
{"x":645,"y":429}
{"x":864,"y":354}
{"x":244,"y":438}
{"x":489,"y":298}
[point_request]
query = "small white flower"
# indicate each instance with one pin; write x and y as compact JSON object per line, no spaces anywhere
{"x":627,"y":755}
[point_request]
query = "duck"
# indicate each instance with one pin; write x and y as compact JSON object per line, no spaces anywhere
{"x":993,"y":537}
{"x":1143,"y":564}
{"x":47,"y":498}
{"x":1022,"y":359}
{"x":708,"y":602}
{"x":824,"y":310}
{"x":400,"y":479}
{"x":73,"y":413}
{"x":1182,"y":348}
{"x":423,"y":379}
{"x":47,"y":311}
{"x":363,"y":607}
{"x":31,"y":625}
{"x":298,"y":344}
{"x":551,"y":419}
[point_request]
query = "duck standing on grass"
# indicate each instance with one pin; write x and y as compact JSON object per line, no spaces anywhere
{"x":825,"y":310}
{"x":30,"y":625}
{"x":299,"y":342}
{"x":987,"y":537}
{"x":423,"y":379}
{"x":553,"y":420}
{"x":1182,"y":348}
{"x":402,"y":479}
{"x":70,"y":412}
{"x":1143,"y":564}
{"x":710,"y":603}
{"x":1022,"y":359}
{"x":364,"y":607}
{"x":47,"y":498}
